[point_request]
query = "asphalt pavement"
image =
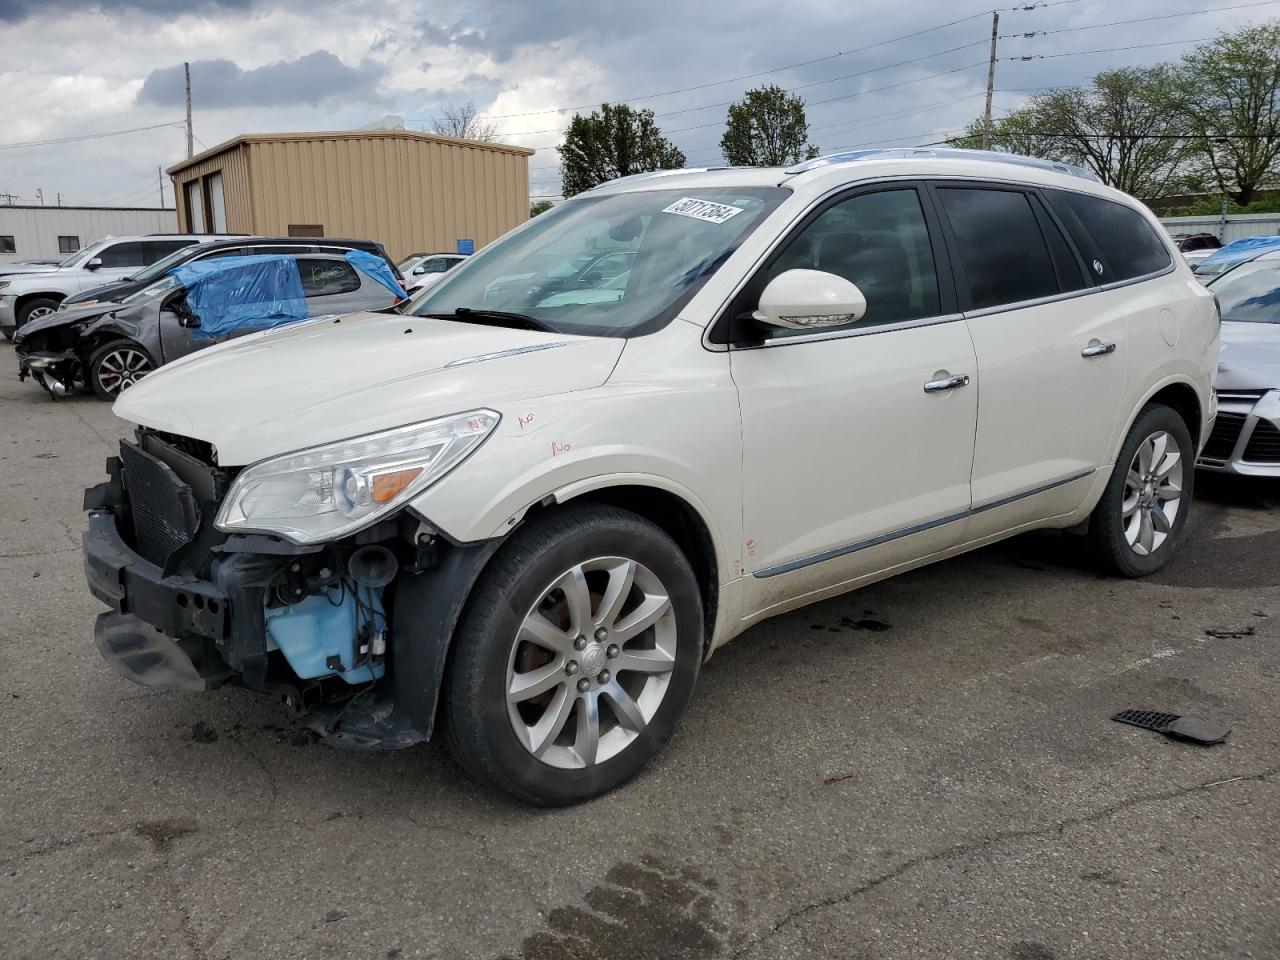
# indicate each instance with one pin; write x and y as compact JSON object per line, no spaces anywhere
{"x":922,"y":769}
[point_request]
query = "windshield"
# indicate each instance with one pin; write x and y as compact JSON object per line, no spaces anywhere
{"x":619,"y":265}
{"x":157,"y":289}
{"x":84,"y":253}
{"x":159,"y":268}
{"x":1251,"y":292}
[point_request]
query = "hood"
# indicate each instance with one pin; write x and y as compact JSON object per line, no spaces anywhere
{"x":63,"y":318}
{"x":328,"y":379}
{"x":12,"y":268}
{"x":1250,"y":356}
{"x":108,"y":291}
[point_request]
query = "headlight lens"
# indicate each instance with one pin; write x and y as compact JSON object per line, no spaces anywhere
{"x":3,"y":284}
{"x":330,"y":491}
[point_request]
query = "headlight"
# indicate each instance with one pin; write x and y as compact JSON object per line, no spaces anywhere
{"x":327,"y":492}
{"x":3,"y":284}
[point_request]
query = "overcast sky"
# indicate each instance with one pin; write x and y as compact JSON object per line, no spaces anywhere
{"x":73,"y":67}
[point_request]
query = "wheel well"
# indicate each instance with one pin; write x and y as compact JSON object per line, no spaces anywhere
{"x":1183,"y":399}
{"x":679,"y":521}
{"x":28,"y":297}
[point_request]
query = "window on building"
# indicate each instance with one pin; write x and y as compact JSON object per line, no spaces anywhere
{"x":1001,"y":248}
{"x":7,"y":245}
{"x":68,"y":244}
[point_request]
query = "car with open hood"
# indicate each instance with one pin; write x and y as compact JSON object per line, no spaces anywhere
{"x":109,"y":346}
{"x":1246,"y":434}
{"x":527,"y":507}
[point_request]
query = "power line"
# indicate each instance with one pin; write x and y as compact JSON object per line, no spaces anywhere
{"x":1085,"y":53}
{"x":87,"y":136}
{"x":1119,"y":23}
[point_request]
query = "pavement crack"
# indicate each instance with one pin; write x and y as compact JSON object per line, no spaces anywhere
{"x":960,"y":850}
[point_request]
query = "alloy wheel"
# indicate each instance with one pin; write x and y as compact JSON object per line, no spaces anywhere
{"x":1152,"y":493}
{"x":122,"y":368}
{"x":37,"y":312}
{"x":591,"y":662}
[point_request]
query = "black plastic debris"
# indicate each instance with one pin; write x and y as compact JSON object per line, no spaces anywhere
{"x":1172,"y":725}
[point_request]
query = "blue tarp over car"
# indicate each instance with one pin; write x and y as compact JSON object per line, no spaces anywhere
{"x":1245,"y":249}
{"x":242,"y":293}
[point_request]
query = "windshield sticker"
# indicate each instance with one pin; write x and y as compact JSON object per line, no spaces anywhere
{"x":702,"y":210}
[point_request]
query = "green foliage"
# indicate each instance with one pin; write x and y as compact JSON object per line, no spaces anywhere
{"x":542,"y":206}
{"x":766,"y":128}
{"x":1212,"y":207}
{"x":615,"y":141}
{"x":1228,"y":92}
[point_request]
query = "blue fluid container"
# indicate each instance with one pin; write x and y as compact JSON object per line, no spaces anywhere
{"x":308,"y":633}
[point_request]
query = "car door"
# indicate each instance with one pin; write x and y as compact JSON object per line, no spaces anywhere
{"x":118,"y":260}
{"x":1050,"y":353}
{"x":857,"y":441}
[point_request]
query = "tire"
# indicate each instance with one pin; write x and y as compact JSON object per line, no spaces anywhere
{"x":491,"y":651}
{"x":116,"y":366}
{"x":1131,"y":532}
{"x":39,"y":306}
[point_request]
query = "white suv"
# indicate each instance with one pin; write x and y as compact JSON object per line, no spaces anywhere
{"x":533,"y":507}
{"x":26,"y":296}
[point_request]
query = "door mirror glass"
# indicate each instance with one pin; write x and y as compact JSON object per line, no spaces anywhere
{"x":810,"y":300}
{"x":94,"y":263}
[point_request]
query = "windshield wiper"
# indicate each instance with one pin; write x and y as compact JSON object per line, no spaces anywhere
{"x":496,"y":318}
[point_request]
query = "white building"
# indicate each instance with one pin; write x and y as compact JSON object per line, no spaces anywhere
{"x":50,"y":233}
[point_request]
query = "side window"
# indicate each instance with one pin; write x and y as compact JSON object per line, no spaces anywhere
{"x":159,"y":249}
{"x":1000,"y":246}
{"x":326,"y":278}
{"x":1124,"y":245}
{"x":434,"y":265}
{"x":129,"y":254}
{"x":878,"y":241}
{"x":1065,"y":263}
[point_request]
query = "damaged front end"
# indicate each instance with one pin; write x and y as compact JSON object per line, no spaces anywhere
{"x":351,"y":632}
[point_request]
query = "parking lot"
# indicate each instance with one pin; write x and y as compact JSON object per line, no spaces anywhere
{"x":925,"y":768}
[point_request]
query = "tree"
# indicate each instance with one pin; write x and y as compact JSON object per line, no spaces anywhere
{"x":1228,"y":91}
{"x":1125,"y":126}
{"x":615,"y":141}
{"x":542,"y":206}
{"x":463,"y":121}
{"x":766,"y":128}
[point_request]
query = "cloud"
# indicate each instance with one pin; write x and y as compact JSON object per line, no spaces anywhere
{"x":220,"y":84}
{"x":13,"y":11}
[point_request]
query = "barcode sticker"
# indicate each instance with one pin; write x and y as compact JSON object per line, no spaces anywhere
{"x":707,"y":210}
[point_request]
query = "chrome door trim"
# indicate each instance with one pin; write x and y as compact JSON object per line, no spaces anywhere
{"x":947,"y":383}
{"x":1097,"y":350}
{"x":844,"y":332}
{"x":848,"y":548}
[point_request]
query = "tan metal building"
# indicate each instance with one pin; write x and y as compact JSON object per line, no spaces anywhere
{"x":413,"y":192}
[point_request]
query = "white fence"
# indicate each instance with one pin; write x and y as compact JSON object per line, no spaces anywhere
{"x":1234,"y":226}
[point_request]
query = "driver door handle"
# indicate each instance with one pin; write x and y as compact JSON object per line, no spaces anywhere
{"x":949,"y":383}
{"x":1096,"y":349}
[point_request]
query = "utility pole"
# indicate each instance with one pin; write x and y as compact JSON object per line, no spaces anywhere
{"x":991,"y":83}
{"x":8,"y":198}
{"x":160,"y":177}
{"x":59,"y":199}
{"x":40,"y":195}
{"x":186,"y":68}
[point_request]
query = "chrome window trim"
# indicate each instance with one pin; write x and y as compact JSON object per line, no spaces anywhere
{"x":1069,"y":295}
{"x":848,"y":548}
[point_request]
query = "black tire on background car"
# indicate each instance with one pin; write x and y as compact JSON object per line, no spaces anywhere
{"x":34,"y":309}
{"x":575,"y":657}
{"x":1138,"y":523}
{"x":116,"y":366}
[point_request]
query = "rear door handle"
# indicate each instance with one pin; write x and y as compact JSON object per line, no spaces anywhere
{"x":948,"y":383}
{"x":1097,"y":349}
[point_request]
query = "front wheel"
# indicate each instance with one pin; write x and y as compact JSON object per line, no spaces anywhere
{"x":116,"y":366}
{"x":1139,"y":521}
{"x":576,"y":656}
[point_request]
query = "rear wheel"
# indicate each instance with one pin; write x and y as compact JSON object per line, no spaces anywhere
{"x":576,"y":656}
{"x":116,"y":366}
{"x":35,"y":308}
{"x":1139,"y":521}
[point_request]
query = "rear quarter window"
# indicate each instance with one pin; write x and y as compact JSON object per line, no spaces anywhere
{"x":327,"y":278}
{"x":1117,"y":241}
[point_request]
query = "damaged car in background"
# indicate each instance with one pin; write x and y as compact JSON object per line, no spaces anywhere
{"x":529,"y":509}
{"x":109,"y":346}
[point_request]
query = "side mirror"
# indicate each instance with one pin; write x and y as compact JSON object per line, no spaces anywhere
{"x":94,"y":263}
{"x":177,"y":305}
{"x":810,"y":300}
{"x":419,"y":270}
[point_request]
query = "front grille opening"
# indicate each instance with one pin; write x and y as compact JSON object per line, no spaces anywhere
{"x":1264,"y":443}
{"x":1223,"y":437}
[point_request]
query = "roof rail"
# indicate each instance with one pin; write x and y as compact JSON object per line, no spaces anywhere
{"x":649,"y":175}
{"x":953,"y":153}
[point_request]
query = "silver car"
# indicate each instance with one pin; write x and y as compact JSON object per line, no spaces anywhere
{"x":1246,"y":434}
